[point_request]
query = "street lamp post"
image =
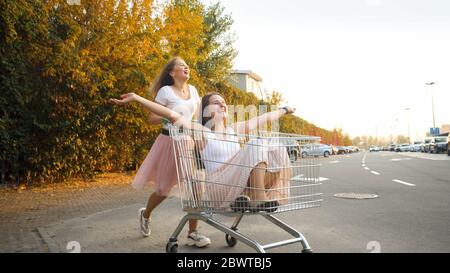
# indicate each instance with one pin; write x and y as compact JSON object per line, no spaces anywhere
{"x":432,"y":101}
{"x":409,"y":135}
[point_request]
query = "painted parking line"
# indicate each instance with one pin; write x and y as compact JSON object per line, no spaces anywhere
{"x":303,"y":179}
{"x":400,"y":159}
{"x":375,"y":173}
{"x":403,"y":182}
{"x":367,"y":169}
{"x":426,"y":156}
{"x":334,"y":162}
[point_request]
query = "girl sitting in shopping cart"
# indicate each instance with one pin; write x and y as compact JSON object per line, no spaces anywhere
{"x":252,"y":177}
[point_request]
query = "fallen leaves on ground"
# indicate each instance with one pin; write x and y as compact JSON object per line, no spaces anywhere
{"x":77,"y":184}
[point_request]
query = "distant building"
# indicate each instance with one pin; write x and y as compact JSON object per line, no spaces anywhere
{"x":248,"y":81}
{"x":445,"y":128}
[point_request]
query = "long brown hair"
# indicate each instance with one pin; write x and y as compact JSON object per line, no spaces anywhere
{"x":164,"y":77}
{"x":204,"y":104}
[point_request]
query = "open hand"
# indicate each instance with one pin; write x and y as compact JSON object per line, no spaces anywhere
{"x":125,"y":99}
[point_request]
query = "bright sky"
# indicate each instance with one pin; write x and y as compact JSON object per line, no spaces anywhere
{"x":350,"y":64}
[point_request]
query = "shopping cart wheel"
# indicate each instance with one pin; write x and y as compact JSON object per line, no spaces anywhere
{"x":307,"y":250}
{"x":231,"y":241}
{"x":172,"y":247}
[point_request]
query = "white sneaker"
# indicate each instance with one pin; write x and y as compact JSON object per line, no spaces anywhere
{"x":197,"y":239}
{"x":144,"y":223}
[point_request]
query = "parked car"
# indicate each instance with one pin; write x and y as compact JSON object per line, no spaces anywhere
{"x":448,"y":145}
{"x":316,"y":150}
{"x":405,"y":147}
{"x":334,"y":149}
{"x":425,"y":148}
{"x":392,"y":148}
{"x":341,"y":150}
{"x":438,"y":144}
{"x":402,"y":147}
{"x":293,"y":150}
{"x":415,"y":146}
{"x":374,"y":149}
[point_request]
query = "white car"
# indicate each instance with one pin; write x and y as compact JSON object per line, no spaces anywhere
{"x":415,"y":146}
{"x":402,"y":147}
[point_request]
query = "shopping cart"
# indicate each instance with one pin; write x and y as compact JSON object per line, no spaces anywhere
{"x":209,"y":186}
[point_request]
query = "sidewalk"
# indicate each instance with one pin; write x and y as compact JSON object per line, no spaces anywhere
{"x":117,"y":231}
{"x":102,"y":216}
{"x":23,"y":212}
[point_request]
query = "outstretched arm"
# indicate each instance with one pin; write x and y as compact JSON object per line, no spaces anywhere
{"x":155,"y":108}
{"x":244,"y":127}
{"x":154,"y":119}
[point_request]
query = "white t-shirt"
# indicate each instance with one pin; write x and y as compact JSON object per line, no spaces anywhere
{"x":219,"y":149}
{"x":167,"y":97}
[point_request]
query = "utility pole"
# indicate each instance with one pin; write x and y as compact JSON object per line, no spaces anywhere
{"x":409,"y":134}
{"x":432,"y":101}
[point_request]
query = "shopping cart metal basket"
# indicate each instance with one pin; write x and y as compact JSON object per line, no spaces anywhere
{"x":259,"y":176}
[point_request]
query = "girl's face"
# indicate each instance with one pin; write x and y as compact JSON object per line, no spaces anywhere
{"x":217,"y":107}
{"x":180,"y":70}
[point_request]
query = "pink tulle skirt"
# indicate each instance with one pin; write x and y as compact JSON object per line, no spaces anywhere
{"x":159,"y":169}
{"x":232,"y":178}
